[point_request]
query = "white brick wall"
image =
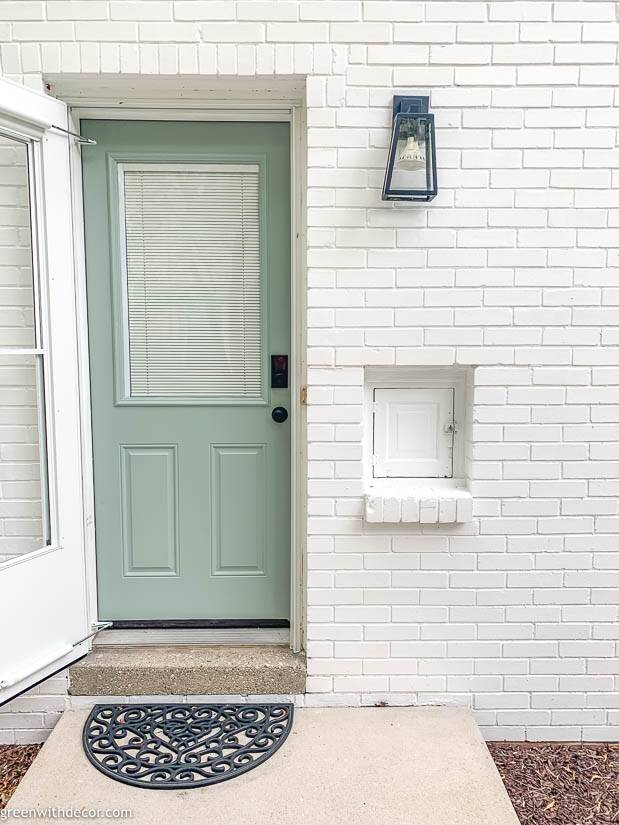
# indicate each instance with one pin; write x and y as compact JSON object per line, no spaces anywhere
{"x":512,"y":268}
{"x":31,"y":717}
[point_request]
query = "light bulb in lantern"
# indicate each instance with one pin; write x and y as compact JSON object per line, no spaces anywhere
{"x":413,"y":155}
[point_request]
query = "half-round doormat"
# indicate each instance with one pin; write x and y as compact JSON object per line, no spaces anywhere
{"x":183,"y":746}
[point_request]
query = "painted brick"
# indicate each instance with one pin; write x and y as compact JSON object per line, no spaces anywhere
{"x":511,"y":269}
{"x":77,"y":9}
{"x":43,"y":31}
{"x":269,"y":10}
{"x":149,"y":10}
{"x":20,"y":10}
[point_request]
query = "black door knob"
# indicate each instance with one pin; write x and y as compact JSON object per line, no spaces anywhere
{"x":279,"y":414}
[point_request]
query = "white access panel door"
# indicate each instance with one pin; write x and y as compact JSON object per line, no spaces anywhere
{"x":43,"y":612}
{"x":413,"y":432}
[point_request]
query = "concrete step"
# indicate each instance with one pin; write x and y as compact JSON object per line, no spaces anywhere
{"x":188,"y":670}
{"x":339,"y":766}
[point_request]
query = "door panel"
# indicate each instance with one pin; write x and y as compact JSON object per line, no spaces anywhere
{"x":149,"y":510}
{"x":239,"y":545}
{"x":188,"y":273}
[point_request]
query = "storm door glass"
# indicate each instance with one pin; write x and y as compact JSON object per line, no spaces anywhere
{"x":24,"y":501}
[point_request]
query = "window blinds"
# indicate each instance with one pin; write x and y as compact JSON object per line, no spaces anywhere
{"x":192,"y":244}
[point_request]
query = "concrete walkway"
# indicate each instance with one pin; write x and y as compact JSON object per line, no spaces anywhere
{"x":353,"y":766}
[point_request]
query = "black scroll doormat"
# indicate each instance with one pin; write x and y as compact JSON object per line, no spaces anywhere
{"x":183,"y":746}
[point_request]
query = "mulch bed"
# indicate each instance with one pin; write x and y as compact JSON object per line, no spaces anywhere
{"x":560,"y":784}
{"x":14,"y":762}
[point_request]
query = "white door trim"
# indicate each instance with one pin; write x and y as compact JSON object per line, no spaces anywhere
{"x":294,"y":113}
{"x":208,"y":111}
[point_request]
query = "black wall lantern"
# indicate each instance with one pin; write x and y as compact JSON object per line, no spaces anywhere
{"x":411,"y":168}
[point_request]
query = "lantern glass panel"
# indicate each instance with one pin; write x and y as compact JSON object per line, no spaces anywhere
{"x":411,"y":169}
{"x":413,"y":152}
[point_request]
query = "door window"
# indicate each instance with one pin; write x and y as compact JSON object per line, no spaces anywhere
{"x":190,"y":250}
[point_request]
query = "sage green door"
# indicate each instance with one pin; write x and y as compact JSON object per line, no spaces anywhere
{"x":188,"y":280}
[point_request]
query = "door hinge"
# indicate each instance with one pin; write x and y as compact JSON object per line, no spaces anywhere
{"x":303,"y":395}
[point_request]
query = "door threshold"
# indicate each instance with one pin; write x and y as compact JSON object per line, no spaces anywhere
{"x":178,"y":624}
{"x":193,"y":636}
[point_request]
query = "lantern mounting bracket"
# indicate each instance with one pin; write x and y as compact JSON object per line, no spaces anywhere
{"x":411,"y":104}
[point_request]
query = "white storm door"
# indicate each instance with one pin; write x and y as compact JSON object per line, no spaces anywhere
{"x":43,"y":611}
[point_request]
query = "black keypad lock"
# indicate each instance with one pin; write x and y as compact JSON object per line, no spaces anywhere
{"x":279,"y":372}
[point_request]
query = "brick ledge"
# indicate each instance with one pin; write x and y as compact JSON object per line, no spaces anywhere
{"x":393,"y":504}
